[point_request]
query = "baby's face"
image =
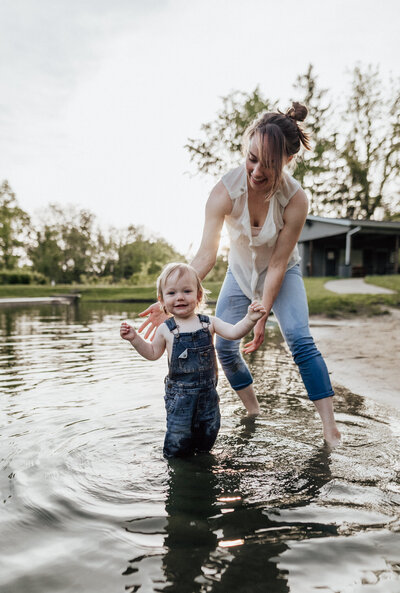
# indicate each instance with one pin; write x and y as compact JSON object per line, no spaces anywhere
{"x":180,"y":296}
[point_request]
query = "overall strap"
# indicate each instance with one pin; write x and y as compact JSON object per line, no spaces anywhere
{"x":204,"y":319}
{"x":171,"y":324}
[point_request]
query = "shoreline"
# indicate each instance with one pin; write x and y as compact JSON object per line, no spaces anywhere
{"x":362,"y":354}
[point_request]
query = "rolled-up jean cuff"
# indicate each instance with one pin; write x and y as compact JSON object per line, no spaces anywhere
{"x":241,"y":386}
{"x":314,"y":398}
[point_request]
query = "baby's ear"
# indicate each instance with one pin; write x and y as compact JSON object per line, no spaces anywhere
{"x":162,"y":307}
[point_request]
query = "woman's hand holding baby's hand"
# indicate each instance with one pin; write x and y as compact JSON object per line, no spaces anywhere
{"x":127,"y":332}
{"x":255,"y":311}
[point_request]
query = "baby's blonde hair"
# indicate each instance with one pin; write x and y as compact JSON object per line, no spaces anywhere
{"x":181,"y":269}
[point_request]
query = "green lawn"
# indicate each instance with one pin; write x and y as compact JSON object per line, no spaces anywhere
{"x":324,"y":302}
{"x":93,"y":292}
{"x":321,"y":301}
{"x":391,"y":282}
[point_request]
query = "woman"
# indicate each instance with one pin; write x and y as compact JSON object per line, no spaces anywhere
{"x":264,"y":209}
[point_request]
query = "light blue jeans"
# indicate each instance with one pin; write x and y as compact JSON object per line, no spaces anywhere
{"x":291,"y":310}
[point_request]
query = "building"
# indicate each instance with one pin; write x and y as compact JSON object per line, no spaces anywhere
{"x":343,"y":247}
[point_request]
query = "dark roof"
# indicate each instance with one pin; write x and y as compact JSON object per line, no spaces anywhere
{"x":347,"y":222}
{"x":317,"y":227}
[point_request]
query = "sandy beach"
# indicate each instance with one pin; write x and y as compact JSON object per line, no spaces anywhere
{"x":363,"y":354}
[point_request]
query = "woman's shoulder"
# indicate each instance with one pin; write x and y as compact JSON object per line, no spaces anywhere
{"x":288,"y":187}
{"x":235,"y":182}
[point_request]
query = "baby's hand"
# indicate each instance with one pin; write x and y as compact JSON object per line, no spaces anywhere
{"x":127,"y":332}
{"x":255,"y":311}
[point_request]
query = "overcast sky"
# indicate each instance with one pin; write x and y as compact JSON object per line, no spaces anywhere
{"x":98,"y":97}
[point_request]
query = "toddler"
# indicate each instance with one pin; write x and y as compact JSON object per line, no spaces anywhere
{"x":191,"y":398}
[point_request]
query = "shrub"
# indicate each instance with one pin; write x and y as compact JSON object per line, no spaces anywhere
{"x":21,"y":277}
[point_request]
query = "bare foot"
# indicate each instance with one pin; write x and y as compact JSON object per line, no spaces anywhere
{"x":249,"y":400}
{"x":333,"y":438}
{"x":249,"y":421}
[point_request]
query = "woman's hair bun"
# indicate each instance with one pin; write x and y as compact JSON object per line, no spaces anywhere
{"x":297,"y":111}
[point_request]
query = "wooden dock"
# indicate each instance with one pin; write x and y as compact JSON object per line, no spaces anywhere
{"x":57,"y":299}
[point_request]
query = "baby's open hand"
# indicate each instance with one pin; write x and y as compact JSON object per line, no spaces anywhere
{"x":127,"y":332}
{"x":255,"y":311}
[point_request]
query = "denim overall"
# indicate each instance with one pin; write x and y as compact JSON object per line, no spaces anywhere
{"x":191,"y":398}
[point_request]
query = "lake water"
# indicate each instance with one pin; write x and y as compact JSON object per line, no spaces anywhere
{"x":88,"y":504}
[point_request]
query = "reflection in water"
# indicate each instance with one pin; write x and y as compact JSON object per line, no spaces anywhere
{"x":191,"y":503}
{"x":88,"y":498}
{"x":231,"y":541}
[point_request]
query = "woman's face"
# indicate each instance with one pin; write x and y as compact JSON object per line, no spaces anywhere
{"x":260,"y":177}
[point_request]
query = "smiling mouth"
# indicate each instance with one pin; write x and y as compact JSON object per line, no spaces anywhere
{"x":258,"y":181}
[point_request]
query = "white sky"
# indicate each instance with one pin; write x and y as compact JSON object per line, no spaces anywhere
{"x":98,"y":97}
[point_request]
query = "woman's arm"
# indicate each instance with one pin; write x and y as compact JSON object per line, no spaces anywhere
{"x":218,"y":206}
{"x":150,"y":350}
{"x":294,"y":217}
{"x":242,"y":327}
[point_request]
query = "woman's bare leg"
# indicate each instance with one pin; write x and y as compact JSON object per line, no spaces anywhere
{"x":325,"y":410}
{"x":249,"y":399}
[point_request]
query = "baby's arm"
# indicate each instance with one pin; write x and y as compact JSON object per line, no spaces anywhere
{"x":150,"y":350}
{"x":242,"y":327}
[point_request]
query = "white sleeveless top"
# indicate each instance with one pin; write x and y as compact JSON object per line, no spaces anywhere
{"x":250,"y":252}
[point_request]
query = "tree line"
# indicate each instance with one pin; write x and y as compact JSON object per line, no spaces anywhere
{"x":69,"y":247}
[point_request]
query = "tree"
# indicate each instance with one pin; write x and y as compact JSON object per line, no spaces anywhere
{"x":79,"y":248}
{"x":46,"y":254}
{"x":353,"y":168}
{"x":65,"y":245}
{"x":105,"y":255}
{"x":316,"y":169}
{"x":14,"y":222}
{"x":141,"y":258}
{"x":220,"y":147}
{"x":370,"y":152}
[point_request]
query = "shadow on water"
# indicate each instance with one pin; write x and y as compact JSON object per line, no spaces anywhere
{"x":87,"y":497}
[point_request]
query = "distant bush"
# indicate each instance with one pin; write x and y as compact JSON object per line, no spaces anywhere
{"x":21,"y":277}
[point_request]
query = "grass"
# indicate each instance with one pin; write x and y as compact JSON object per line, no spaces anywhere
{"x":392,"y":282}
{"x":320,"y":300}
{"x":88,"y":292}
{"x":324,"y":302}
{"x":93,"y":293}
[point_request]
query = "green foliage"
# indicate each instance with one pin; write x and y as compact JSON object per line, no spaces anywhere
{"x":46,"y":255}
{"x":316,"y":168}
{"x":21,"y":277}
{"x":13,"y":225}
{"x":69,"y":248}
{"x":371,"y":151}
{"x":63,"y":248}
{"x":141,"y":259}
{"x":220,"y":146}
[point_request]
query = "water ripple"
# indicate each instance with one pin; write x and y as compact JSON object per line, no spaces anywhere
{"x":88,"y":498}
